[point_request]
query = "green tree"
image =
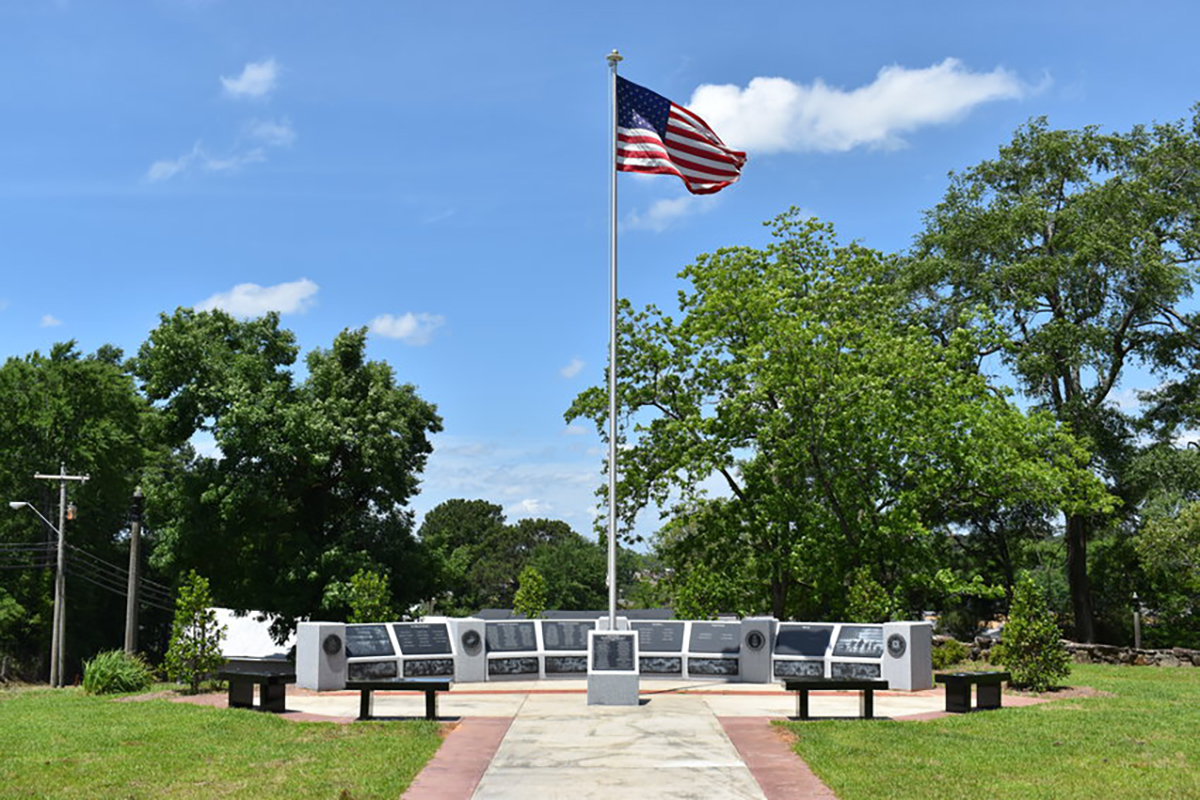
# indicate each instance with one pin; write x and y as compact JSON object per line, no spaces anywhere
{"x":458,"y":534}
{"x":1083,"y":246}
{"x":312,"y":479}
{"x":195,"y":650}
{"x":530,"y":598}
{"x":1031,"y":645}
{"x":842,"y":431}
{"x":84,"y":411}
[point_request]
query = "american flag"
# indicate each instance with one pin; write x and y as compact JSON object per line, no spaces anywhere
{"x":656,"y":136}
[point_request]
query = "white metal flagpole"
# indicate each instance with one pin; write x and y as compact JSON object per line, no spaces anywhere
{"x":613,"y":59}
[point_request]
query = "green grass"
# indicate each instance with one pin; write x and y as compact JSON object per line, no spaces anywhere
{"x":1143,"y":741}
{"x":67,"y":744}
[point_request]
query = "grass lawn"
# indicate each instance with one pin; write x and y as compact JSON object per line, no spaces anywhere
{"x":1143,"y":741}
{"x":67,"y":744}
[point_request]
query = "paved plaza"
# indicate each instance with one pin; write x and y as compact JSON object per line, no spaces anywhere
{"x":686,"y":739}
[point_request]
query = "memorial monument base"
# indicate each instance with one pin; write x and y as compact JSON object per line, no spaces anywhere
{"x":612,"y":689}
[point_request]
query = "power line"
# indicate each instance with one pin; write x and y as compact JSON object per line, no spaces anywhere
{"x":119,"y":591}
{"x":114,"y":580}
{"x":122,"y":570}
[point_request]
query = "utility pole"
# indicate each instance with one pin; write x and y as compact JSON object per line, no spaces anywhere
{"x":58,"y":633}
{"x":131,"y":595}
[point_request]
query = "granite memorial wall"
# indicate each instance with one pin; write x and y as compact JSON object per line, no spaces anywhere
{"x":757,"y":649}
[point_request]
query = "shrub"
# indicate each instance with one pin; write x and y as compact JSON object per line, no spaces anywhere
{"x":949,"y":653}
{"x":530,"y":598}
{"x":115,"y":671}
{"x":868,"y":600}
{"x":195,"y":650}
{"x":1031,"y":646}
{"x":370,"y":598}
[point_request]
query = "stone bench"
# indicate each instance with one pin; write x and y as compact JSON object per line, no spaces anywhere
{"x":958,"y":689}
{"x":427,"y":685}
{"x":866,"y":687}
{"x":272,"y":687}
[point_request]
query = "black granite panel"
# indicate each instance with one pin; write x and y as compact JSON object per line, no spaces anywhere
{"x":660,"y":665}
{"x":513,"y":666}
{"x":510,"y":636}
{"x":860,"y":641}
{"x":566,"y":635}
{"x":612,"y":652}
{"x":423,"y":638}
{"x":428,"y":667}
{"x":368,"y":640}
{"x":854,"y":671}
{"x":371,"y":670}
{"x":565,"y":665}
{"x":799,"y":669}
{"x":715,"y":637}
{"x":659,"y":637}
{"x":802,"y":640}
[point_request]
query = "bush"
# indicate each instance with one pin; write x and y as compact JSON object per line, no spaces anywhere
{"x":195,"y":650}
{"x":370,"y":598}
{"x":949,"y":653}
{"x":530,"y":598}
{"x":868,"y":600}
{"x":1031,"y":646}
{"x":115,"y":671}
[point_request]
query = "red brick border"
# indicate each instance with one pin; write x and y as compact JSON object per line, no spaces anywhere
{"x":458,"y":766}
{"x":764,"y":748}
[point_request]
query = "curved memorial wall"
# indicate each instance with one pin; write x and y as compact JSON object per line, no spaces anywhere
{"x":756,"y":649}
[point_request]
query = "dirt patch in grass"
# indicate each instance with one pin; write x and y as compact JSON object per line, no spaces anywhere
{"x":1064,"y":693}
{"x":165,"y":694}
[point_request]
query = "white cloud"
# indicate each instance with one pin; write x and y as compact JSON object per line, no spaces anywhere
{"x":571,"y":369}
{"x":50,"y":321}
{"x":257,"y":79}
{"x":273,"y":133}
{"x":528,"y":508}
{"x":252,"y":300}
{"x":776,"y":115}
{"x":3,"y":304}
{"x":663,"y":213}
{"x":410,"y":328}
{"x":576,"y":430}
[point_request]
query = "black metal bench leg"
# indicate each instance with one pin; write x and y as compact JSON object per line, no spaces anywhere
{"x":365,"y":703}
{"x":430,"y":704}
{"x":802,"y":704}
{"x":866,"y":704}
{"x":987,"y":695}
{"x":241,"y":694}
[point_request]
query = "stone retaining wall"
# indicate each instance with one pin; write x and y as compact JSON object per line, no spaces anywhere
{"x":1099,"y":653}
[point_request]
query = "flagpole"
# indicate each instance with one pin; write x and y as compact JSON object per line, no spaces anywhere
{"x":614,"y":58}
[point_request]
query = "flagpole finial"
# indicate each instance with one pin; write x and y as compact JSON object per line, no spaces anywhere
{"x":614,"y":57}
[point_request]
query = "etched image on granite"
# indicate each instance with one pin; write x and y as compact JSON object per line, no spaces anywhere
{"x":799,"y":669}
{"x":371,"y":670}
{"x":513,"y":666}
{"x":860,"y":641}
{"x":429,"y":667}
{"x":712,"y":666}
{"x":855,"y":671}
{"x":564,"y":665}
{"x":660,"y":665}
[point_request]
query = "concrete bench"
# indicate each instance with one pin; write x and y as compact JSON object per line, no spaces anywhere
{"x":867,"y":687}
{"x":272,"y":688}
{"x":958,"y":689}
{"x":429,"y":686}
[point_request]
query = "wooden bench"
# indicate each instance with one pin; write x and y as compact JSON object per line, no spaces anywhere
{"x":958,"y":689}
{"x":272,"y":688}
{"x":427,"y":685}
{"x":867,"y":687}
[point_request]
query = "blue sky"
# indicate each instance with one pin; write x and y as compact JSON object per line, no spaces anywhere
{"x":438,"y":172}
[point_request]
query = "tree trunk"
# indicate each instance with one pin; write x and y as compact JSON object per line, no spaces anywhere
{"x":1081,"y":594}
{"x":778,"y":597}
